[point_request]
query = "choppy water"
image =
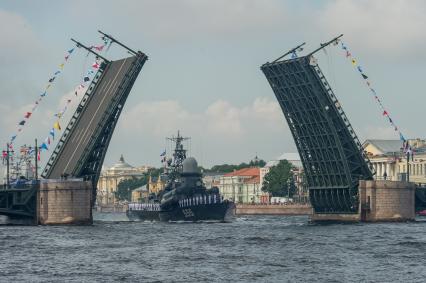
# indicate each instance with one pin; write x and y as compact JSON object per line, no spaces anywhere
{"x":251,"y":249}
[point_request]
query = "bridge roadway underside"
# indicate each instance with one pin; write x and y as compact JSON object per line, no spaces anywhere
{"x":331,"y":154}
{"x":101,"y":99}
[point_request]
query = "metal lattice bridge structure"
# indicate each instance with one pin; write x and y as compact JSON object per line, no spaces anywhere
{"x":84,"y":143}
{"x":332,"y":156}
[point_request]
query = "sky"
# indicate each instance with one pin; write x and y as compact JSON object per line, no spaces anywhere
{"x":203,"y":75}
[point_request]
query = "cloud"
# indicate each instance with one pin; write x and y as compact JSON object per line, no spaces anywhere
{"x":226,"y":131}
{"x":18,"y":42}
{"x":170,"y":20}
{"x":383,"y":27}
{"x":219,"y":118}
{"x":224,"y":119}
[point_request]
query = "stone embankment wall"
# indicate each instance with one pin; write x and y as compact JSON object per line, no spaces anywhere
{"x":273,"y":209}
{"x":64,"y":202}
{"x":387,"y":201}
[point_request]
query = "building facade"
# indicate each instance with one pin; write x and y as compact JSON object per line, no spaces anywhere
{"x":241,"y":186}
{"x":111,"y":177}
{"x":390,"y":161}
{"x":140,"y":194}
{"x":156,"y":184}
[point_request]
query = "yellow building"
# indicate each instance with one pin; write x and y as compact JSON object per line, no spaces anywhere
{"x":140,"y":194}
{"x":156,"y":184}
{"x":110,"y":178}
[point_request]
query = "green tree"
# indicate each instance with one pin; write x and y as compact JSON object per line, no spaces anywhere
{"x":279,"y":181}
{"x":226,"y":168}
{"x":125,"y":187}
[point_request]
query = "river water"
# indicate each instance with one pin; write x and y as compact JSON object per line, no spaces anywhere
{"x":251,"y":249}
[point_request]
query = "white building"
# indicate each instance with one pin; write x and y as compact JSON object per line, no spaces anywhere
{"x":389,"y":160}
{"x":212,"y":179}
{"x":241,"y":186}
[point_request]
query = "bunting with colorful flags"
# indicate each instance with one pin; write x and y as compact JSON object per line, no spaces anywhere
{"x":50,"y":81}
{"x":85,"y":80}
{"x":385,"y":112}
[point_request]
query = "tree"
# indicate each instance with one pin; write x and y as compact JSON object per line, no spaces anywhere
{"x":226,"y":168}
{"x":279,"y":181}
{"x":125,"y":187}
{"x":257,"y":163}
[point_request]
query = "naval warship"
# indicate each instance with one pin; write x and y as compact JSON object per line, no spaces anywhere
{"x":185,"y":197}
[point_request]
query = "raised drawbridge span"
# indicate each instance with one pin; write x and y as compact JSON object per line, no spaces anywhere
{"x":332,"y":156}
{"x":84,"y":143}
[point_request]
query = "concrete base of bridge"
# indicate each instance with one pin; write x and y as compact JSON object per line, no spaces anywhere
{"x":387,"y":201}
{"x":64,"y":202}
{"x":379,"y":201}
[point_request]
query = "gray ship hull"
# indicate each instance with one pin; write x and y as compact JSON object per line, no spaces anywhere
{"x":217,"y":212}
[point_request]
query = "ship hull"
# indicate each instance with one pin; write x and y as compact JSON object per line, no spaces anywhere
{"x":218,"y":212}
{"x":143,"y":215}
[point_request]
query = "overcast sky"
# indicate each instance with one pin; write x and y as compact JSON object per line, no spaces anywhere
{"x":203,"y":75}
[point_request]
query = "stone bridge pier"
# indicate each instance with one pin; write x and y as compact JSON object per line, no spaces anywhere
{"x":379,"y":201}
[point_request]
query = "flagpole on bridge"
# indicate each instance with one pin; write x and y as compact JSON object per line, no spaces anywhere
{"x":118,"y":42}
{"x":90,"y":50}
{"x":289,"y":52}
{"x":323,"y":45}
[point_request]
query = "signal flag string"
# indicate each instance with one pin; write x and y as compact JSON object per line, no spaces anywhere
{"x":51,"y":80}
{"x":385,"y":112}
{"x":87,"y":78}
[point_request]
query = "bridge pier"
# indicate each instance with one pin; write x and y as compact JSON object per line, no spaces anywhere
{"x":64,"y":202}
{"x":379,"y":201}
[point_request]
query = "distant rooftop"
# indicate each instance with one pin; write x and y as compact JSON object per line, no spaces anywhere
{"x":386,"y":146}
{"x":291,"y":157}
{"x":121,"y":164}
{"x":252,"y":171}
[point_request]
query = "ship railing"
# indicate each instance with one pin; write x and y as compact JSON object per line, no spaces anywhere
{"x":144,"y":206}
{"x":201,"y":200}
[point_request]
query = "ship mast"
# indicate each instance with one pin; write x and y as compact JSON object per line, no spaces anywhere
{"x":179,"y":156}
